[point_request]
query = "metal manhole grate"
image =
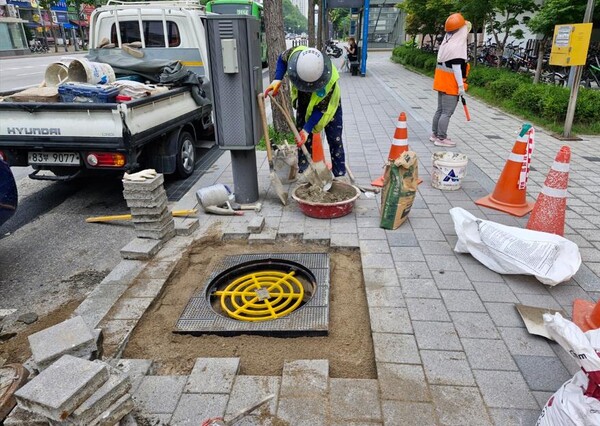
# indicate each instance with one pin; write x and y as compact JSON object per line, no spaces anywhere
{"x":274,"y":294}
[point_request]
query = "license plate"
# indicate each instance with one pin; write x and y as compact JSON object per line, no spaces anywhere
{"x":54,"y":158}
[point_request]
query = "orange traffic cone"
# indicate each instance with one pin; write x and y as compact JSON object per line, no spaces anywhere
{"x":317,"y":149}
{"x":399,"y":144}
{"x":586,"y":314}
{"x":549,"y":210}
{"x":509,"y":196}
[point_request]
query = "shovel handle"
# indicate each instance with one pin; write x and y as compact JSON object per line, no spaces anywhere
{"x":265,"y":126}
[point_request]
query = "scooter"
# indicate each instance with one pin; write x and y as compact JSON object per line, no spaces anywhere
{"x":331,"y":49}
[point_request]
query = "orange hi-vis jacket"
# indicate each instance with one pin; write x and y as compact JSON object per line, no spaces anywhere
{"x":444,"y":81}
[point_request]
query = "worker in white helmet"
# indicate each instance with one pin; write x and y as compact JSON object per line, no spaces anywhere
{"x":316,"y":96}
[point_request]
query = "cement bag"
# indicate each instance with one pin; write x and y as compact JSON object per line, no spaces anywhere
{"x":552,"y":259}
{"x":577,"y":401}
{"x":400,"y":181}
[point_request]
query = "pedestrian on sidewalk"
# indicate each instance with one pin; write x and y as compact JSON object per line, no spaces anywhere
{"x":450,"y":76}
{"x":316,"y":96}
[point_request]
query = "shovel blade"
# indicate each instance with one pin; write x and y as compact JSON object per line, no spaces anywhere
{"x":319,"y":175}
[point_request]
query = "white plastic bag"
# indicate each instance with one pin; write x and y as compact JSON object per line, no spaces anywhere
{"x":551,"y":258}
{"x":576,"y":402}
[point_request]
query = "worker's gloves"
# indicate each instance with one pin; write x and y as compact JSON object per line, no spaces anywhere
{"x":273,"y":88}
{"x":461,"y":91}
{"x":302,"y":137}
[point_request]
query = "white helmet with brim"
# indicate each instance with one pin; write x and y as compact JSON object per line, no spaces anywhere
{"x":309,"y":70}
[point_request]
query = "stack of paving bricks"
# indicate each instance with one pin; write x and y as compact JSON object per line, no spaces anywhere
{"x":73,"y":391}
{"x":147,"y":200}
{"x":70,"y":337}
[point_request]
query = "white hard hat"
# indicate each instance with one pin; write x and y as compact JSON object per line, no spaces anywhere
{"x":309,"y":70}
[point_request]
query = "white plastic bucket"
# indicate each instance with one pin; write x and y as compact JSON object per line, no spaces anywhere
{"x":214,"y":196}
{"x":449,"y":168}
{"x":84,"y":71}
{"x":56,"y":73}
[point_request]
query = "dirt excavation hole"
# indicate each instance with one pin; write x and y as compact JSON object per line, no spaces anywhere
{"x":348,"y":346}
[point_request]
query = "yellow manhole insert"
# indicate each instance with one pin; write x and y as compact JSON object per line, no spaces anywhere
{"x":261,"y":296}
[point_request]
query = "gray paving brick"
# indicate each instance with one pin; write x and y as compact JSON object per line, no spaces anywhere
{"x":130,"y":309}
{"x":513,"y":417}
{"x":474,"y":325}
{"x":99,"y":302}
{"x":523,"y":284}
{"x":159,"y":394}
{"x":344,"y":240}
{"x":436,"y":247}
{"x":434,"y":234}
{"x":402,"y":240}
{"x":72,"y":336}
{"x":385,"y":297}
{"x":374,"y":246}
{"x":247,"y":390}
{"x":194,"y":407}
{"x":480,"y":273}
{"x":212,"y":375}
{"x":303,"y":411}
{"x":587,"y":279}
{"x":378,"y":277}
{"x":494,"y":292}
{"x":462,"y":301}
{"x":399,"y":348}
{"x":504,"y":314}
{"x":304,"y":378}
{"x":413,"y":270}
{"x":487,"y":354}
{"x":371,"y":234}
{"x":58,"y":390}
{"x":125,"y":272}
{"x":447,"y":368}
{"x":145,"y":288}
{"x":136,"y":369}
{"x":436,"y":335}
{"x":451,"y":280}
{"x":427,"y":310}
{"x":438,"y":262}
{"x":456,"y":405}
{"x":390,"y":320}
{"x":520,"y":342}
{"x":424,"y":288}
{"x":539,"y":301}
{"x":566,"y":358}
{"x":354,"y":400}
{"x":141,"y":249}
{"x":377,"y":260}
{"x":158,"y":270}
{"x":403,"y":254}
{"x":402,"y":382}
{"x":504,"y":389}
{"x":408,"y":413}
{"x":535,"y":371}
{"x":565,"y":294}
{"x":542,"y":397}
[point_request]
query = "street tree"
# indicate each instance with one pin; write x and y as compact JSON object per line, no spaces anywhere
{"x":340,"y":18}
{"x":293,"y":20}
{"x":475,"y":11}
{"x":554,"y":12}
{"x":275,"y":35}
{"x":311,"y":22}
{"x":427,"y":17}
{"x":504,"y":19}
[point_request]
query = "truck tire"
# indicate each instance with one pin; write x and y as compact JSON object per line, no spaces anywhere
{"x":186,"y":155}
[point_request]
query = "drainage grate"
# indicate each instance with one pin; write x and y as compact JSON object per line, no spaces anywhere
{"x":493,"y":136}
{"x":276,"y":294}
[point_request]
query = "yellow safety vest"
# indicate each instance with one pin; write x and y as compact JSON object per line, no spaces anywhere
{"x":444,"y":81}
{"x":334,"y":101}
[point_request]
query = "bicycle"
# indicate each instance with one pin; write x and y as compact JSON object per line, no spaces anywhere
{"x":591,"y":74}
{"x":36,"y":46}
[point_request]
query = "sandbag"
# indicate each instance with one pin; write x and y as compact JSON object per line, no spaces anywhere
{"x":552,"y":259}
{"x":400,"y":181}
{"x":577,"y":401}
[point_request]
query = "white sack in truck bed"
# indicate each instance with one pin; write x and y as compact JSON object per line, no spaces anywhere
{"x":508,"y":250}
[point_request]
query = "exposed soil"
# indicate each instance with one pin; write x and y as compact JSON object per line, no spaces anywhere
{"x":16,"y":350}
{"x":337,"y":193}
{"x":348,"y":347}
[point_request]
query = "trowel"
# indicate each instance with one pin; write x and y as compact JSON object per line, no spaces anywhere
{"x":533,"y":317}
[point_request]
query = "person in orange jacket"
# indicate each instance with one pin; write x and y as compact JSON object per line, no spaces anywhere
{"x":450,"y":76}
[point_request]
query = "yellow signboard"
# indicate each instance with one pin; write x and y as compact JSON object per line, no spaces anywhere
{"x":570,"y":44}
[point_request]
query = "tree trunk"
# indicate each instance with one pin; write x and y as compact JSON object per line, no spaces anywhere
{"x":324,"y":25}
{"x":275,"y":34}
{"x":319,"y":29}
{"x":311,"y":23}
{"x":540,"y":60}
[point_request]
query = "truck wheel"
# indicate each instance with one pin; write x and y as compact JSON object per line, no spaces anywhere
{"x":186,"y":155}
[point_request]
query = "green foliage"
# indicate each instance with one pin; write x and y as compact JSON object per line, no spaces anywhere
{"x":481,"y":76}
{"x":587,"y":110}
{"x":293,"y":20}
{"x":555,"y":12}
{"x":276,"y":138}
{"x":406,"y":55}
{"x":505,"y":86}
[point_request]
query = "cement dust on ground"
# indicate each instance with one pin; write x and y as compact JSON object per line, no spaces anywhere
{"x":17,"y":350}
{"x":348,"y":347}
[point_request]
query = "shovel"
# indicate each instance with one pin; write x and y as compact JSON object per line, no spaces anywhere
{"x":283,"y":196}
{"x":317,"y":173}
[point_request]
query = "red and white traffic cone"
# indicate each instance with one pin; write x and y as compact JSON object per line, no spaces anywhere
{"x":548,"y":213}
{"x":399,"y":144}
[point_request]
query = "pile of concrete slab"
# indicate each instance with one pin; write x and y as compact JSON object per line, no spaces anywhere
{"x":73,"y":391}
{"x":147,"y":199}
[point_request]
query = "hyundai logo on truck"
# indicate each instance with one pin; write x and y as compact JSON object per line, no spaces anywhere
{"x":33,"y":130}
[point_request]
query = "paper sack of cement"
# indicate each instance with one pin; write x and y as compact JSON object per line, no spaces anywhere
{"x":508,"y":250}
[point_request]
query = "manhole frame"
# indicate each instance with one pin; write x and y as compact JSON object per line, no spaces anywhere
{"x":311,"y":319}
